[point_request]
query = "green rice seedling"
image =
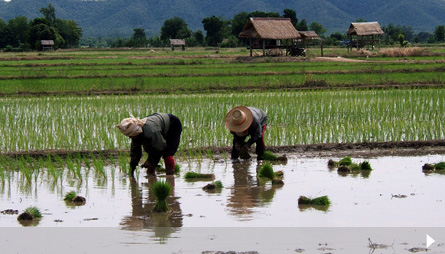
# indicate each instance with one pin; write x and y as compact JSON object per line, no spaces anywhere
{"x":218,"y":184}
{"x":354,"y":167}
{"x":34,"y":211}
{"x":177,"y":168}
{"x":193,"y":175}
{"x":70,"y":196}
{"x":346,"y":161}
{"x":269,"y":156}
{"x":99,"y":166}
{"x":321,"y":201}
{"x":161,"y":190}
{"x":439,"y":166}
{"x":266,"y":171}
{"x":123,"y":163}
{"x":209,"y":154}
{"x":365,"y":165}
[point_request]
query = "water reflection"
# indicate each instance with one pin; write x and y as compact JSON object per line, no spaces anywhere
{"x":248,"y":191}
{"x":142,"y":215}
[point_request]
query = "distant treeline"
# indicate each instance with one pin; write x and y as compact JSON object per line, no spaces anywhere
{"x":21,"y":34}
{"x":224,"y":32}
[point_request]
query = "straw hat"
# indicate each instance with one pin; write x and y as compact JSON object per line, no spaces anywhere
{"x":239,"y":119}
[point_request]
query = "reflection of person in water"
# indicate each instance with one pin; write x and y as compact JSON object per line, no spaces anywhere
{"x":143,"y":217}
{"x":248,"y":192}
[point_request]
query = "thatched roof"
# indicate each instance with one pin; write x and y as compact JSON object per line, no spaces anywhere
{"x":364,"y":28}
{"x":269,"y":28}
{"x":309,"y":35}
{"x":177,"y":42}
{"x":47,"y":42}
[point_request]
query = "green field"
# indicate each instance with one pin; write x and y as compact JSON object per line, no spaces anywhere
{"x":71,"y":100}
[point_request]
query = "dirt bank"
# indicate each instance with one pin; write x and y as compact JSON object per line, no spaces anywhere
{"x":395,"y":148}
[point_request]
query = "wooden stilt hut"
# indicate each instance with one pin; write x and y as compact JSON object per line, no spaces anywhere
{"x":269,"y":33}
{"x":363,"y":34}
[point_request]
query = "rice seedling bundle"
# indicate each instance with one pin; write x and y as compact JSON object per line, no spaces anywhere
{"x":322,"y":201}
{"x":266,"y":170}
{"x":161,"y":190}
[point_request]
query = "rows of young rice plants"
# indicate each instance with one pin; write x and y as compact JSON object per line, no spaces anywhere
{"x":306,"y":117}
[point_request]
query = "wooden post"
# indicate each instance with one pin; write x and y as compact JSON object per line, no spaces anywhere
{"x":321,"y":46}
{"x":264,"y":47}
{"x":250,"y":42}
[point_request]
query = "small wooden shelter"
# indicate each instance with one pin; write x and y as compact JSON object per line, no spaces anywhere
{"x":177,"y":43}
{"x":308,"y":37}
{"x":269,"y":33}
{"x":47,"y":44}
{"x":363,"y":34}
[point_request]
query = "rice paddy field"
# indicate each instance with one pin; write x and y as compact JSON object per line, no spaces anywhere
{"x":58,"y":112}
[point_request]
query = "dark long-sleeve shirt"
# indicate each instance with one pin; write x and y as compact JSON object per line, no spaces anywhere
{"x":255,"y":131}
{"x":152,"y":139}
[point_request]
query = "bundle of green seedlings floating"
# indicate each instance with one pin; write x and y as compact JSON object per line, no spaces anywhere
{"x":216,"y":185}
{"x":346,"y":165}
{"x":431,"y":167}
{"x":30,"y":213}
{"x":269,"y":156}
{"x":266,"y":171}
{"x":161,"y":190}
{"x":194,"y":175}
{"x":322,"y":201}
{"x":73,"y":197}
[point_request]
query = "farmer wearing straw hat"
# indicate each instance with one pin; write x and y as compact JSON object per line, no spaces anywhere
{"x":159,"y":134}
{"x":246,"y":121}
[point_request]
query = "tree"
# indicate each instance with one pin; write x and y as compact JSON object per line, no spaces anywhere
{"x":318,"y":28}
{"x":175,"y":28}
{"x":238,"y":22}
{"x":302,"y":26}
{"x":49,"y":13}
{"x":40,"y":30}
{"x":139,"y":38}
{"x":288,"y":13}
{"x":215,"y":28}
{"x":439,"y":33}
{"x":3,"y":33}
{"x":69,"y":31}
{"x":199,"y":37}
{"x":17,"y":31}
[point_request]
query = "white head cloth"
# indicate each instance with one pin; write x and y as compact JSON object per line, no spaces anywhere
{"x":131,"y":126}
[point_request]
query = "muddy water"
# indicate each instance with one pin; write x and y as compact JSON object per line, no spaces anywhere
{"x":395,"y":206}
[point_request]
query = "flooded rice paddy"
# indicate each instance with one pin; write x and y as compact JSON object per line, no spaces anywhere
{"x":395,"y":195}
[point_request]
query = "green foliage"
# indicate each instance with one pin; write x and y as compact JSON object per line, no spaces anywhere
{"x":346,"y":161}
{"x":218,"y":184}
{"x":321,"y":201}
{"x":365,"y":165}
{"x":194,"y":175}
{"x":138,"y":39}
{"x":266,"y":170}
{"x":439,"y":33}
{"x":34,"y":211}
{"x":439,"y":166}
{"x":175,"y":28}
{"x":161,"y":190}
{"x":70,"y":196}
{"x":269,"y":156}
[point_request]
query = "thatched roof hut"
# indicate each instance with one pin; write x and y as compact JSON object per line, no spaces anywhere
{"x":47,"y":44}
{"x":268,"y":32}
{"x":364,"y":29}
{"x":177,"y":42}
{"x":309,"y":35}
{"x":269,"y":28}
{"x":364,"y":33}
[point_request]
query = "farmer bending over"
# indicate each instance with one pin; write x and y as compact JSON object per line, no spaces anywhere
{"x":246,"y":121}
{"x":159,"y":134}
